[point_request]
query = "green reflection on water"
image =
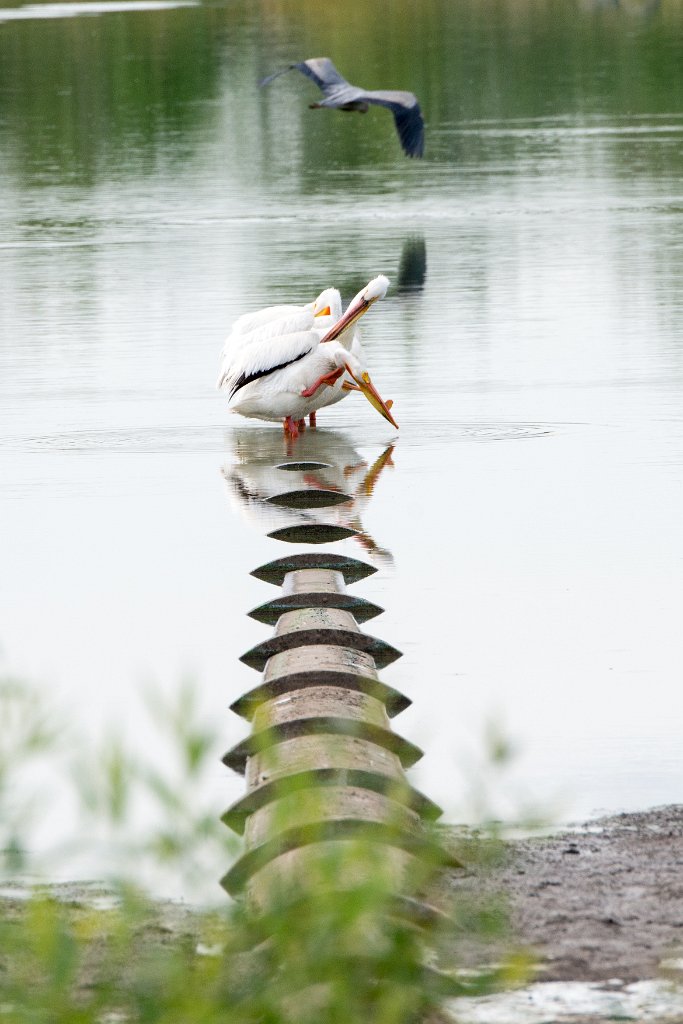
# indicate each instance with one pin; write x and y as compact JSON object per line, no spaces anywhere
{"x":85,"y":98}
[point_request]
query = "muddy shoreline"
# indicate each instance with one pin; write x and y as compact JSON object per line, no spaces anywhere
{"x":599,"y":901}
{"x":600,"y":904}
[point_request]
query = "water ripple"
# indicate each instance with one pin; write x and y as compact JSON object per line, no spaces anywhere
{"x":212,"y":438}
{"x":153,"y":440}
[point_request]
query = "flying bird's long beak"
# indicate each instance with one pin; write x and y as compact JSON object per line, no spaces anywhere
{"x":370,"y":391}
{"x":353,"y":313}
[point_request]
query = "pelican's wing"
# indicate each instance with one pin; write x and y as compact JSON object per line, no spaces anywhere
{"x":263,"y":354}
{"x":320,"y":69}
{"x":269,"y":323}
{"x":407,"y":115}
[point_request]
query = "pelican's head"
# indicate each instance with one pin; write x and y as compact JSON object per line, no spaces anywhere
{"x":374,"y":290}
{"x":328,"y":303}
{"x":355,"y":368}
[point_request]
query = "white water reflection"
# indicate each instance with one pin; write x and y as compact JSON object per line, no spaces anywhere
{"x":558,"y":1001}
{"x":32,"y":11}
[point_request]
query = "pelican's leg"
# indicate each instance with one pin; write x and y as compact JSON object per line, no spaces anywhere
{"x":301,"y":424}
{"x":327,"y":378}
{"x":312,"y":421}
{"x":291,"y":427}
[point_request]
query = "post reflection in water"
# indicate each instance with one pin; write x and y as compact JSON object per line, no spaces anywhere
{"x":412,"y":270}
{"x":329,"y":461}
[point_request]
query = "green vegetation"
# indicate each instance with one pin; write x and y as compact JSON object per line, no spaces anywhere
{"x":337,"y":946}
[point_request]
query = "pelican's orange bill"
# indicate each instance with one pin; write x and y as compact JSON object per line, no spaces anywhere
{"x":353,"y":313}
{"x":325,"y":312}
{"x":373,"y":397}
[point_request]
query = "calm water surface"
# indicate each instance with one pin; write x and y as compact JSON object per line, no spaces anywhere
{"x":526,"y":523}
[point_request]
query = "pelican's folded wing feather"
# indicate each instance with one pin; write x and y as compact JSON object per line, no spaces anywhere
{"x":264,"y":353}
{"x":261,"y":328}
{"x":407,"y":115}
{"x":251,"y":321}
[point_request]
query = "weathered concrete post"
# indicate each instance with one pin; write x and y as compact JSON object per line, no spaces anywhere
{"x":320,"y":727}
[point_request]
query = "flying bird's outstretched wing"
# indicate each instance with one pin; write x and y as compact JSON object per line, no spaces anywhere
{"x":407,"y":115}
{"x":320,"y":70}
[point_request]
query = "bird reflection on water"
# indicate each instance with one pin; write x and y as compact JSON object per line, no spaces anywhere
{"x":253,"y":475}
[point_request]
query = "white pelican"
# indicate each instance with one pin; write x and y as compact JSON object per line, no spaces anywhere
{"x":281,"y":365}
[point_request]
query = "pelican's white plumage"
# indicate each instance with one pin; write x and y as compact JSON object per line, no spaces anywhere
{"x":267,"y":324}
{"x":275,"y":362}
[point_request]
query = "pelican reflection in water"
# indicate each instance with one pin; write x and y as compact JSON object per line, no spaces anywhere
{"x":253,"y":475}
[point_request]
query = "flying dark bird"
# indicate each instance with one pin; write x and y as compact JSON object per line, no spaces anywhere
{"x":341,"y":95}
